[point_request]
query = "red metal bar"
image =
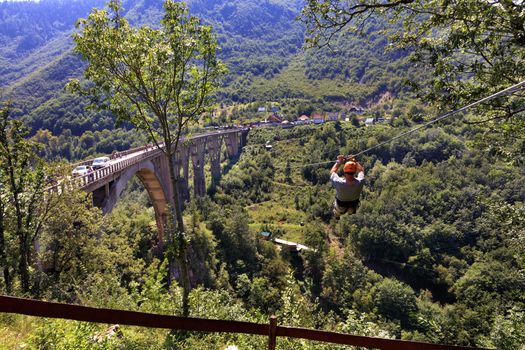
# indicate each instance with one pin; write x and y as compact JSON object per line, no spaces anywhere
{"x":272,"y":339}
{"x":90,"y":314}
{"x":368,"y":342}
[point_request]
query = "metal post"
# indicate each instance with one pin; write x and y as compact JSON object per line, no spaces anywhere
{"x":272,"y":341}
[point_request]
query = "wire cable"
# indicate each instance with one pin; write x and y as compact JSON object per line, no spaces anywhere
{"x":510,"y":90}
{"x":507,"y":91}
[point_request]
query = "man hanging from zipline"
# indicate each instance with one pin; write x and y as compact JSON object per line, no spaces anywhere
{"x":348,"y":187}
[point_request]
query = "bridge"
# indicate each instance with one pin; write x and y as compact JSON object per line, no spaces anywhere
{"x":150,"y":165}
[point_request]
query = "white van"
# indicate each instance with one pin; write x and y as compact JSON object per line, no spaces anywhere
{"x":100,"y":162}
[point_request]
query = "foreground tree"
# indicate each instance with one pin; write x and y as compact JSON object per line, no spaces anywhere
{"x":474,"y":48}
{"x":23,"y":204}
{"x":159,"y":79}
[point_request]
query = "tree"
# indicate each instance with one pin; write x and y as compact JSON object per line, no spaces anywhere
{"x":475,"y":48}
{"x":23,"y":205}
{"x":395,"y":301}
{"x":288,"y":173}
{"x":159,"y":79}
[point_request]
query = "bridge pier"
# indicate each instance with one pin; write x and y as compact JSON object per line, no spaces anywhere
{"x":232,"y":145}
{"x":214,"y":150}
{"x":101,"y":197}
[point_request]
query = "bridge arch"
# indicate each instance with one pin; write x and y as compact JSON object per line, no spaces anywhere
{"x":151,"y":167}
{"x":146,"y":172}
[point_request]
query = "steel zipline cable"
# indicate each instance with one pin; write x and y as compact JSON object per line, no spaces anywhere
{"x":510,"y":90}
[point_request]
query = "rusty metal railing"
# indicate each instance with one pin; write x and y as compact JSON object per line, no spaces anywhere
{"x":272,"y":330}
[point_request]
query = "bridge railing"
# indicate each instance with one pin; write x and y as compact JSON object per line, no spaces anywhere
{"x":99,"y":174}
{"x":272,"y":330}
{"x":102,"y":173}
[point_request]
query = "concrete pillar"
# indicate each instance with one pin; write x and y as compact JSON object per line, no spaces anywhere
{"x":232,"y":144}
{"x":214,"y":150}
{"x":162,"y":171}
{"x":197,"y":157}
{"x":100,"y":198}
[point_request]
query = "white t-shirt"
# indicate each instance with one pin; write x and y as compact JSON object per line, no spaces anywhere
{"x":347,"y":192}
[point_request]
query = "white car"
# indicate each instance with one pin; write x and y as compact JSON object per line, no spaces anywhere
{"x":100,"y":162}
{"x":81,"y":170}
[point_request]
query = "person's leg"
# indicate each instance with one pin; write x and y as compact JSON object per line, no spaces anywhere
{"x":353,"y":208}
{"x":335,"y":210}
{"x":338,"y":210}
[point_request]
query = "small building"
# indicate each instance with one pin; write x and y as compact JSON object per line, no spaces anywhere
{"x":357,"y":109}
{"x":333,"y":116}
{"x":303,"y":120}
{"x":286,"y":124}
{"x":266,"y":234}
{"x":274,"y":109}
{"x":370,"y":121}
{"x":261,"y":109}
{"x":275,"y":118}
{"x":318,"y":118}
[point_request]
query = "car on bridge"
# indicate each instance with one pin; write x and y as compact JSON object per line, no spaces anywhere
{"x":81,"y":170}
{"x":100,"y":162}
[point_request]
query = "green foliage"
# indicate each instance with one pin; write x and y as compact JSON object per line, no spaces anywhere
{"x":395,"y":301}
{"x":250,"y":181}
{"x":472,"y":48}
{"x":23,"y":204}
{"x":508,"y":330}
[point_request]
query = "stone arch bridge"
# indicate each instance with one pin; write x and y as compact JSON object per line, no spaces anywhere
{"x":150,"y":165}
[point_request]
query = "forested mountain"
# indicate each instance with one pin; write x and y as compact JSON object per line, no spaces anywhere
{"x":261,"y":44}
{"x":434,"y":253}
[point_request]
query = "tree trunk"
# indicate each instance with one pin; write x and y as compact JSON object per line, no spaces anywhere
{"x":3,"y":259}
{"x":24,"y":264}
{"x":181,"y":251}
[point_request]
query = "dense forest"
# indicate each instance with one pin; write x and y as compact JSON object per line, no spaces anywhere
{"x":435,"y":252}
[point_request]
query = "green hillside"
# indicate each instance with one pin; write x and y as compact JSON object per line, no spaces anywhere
{"x":261,"y":43}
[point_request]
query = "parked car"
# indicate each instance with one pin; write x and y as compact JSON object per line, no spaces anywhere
{"x":100,"y":162}
{"x":81,"y":170}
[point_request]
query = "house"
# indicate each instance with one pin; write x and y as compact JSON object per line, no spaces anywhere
{"x":318,"y":118}
{"x":261,"y":109}
{"x":274,"y":109}
{"x":333,"y":117}
{"x":266,"y":234}
{"x":275,"y":118}
{"x":357,"y":109}
{"x":303,"y":120}
{"x":286,"y":124}
{"x":370,"y":121}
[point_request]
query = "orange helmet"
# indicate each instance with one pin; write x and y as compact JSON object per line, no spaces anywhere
{"x":350,"y":167}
